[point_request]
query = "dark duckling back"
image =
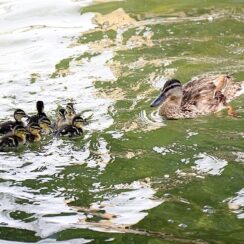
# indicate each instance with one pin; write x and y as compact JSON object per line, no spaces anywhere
{"x":8,"y":126}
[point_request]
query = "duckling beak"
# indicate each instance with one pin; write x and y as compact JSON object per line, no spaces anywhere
{"x":159,"y":100}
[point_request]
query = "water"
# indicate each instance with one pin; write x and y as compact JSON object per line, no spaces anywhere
{"x":133,"y":177}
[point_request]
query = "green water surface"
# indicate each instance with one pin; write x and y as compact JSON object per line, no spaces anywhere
{"x":193,"y":48}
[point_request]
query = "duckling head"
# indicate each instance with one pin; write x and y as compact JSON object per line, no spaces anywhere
{"x":34,"y":129}
{"x":61,"y":113}
{"x":20,"y":114}
{"x":172,"y":93}
{"x":70,"y":109}
{"x":78,"y":122}
{"x":45,"y":124}
{"x":20,"y":132}
{"x":40,"y":106}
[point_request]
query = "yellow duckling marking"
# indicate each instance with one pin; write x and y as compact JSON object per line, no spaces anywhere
{"x":36,"y":133}
{"x":45,"y":124}
{"x":70,"y":113}
{"x":22,"y":136}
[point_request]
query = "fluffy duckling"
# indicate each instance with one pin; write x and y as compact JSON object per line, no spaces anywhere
{"x":18,"y":137}
{"x":8,"y":126}
{"x":70,"y":113}
{"x":74,"y":129}
{"x":200,"y":96}
{"x":45,"y":124}
{"x":40,"y":113}
{"x":33,"y":134}
{"x":61,"y":119}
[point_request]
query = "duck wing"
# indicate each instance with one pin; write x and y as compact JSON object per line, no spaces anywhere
{"x":196,"y":89}
{"x":7,"y":127}
{"x":68,"y":130}
{"x":206,"y":94}
{"x":8,"y":141}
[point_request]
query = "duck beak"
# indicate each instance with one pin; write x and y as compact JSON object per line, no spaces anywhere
{"x":159,"y":100}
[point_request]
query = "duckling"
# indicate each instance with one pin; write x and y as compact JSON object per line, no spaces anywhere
{"x":70,"y":113}
{"x":45,"y":124}
{"x":61,"y":119}
{"x":33,"y":132}
{"x":18,"y":137}
{"x":40,"y":113}
{"x":200,"y":96}
{"x":74,"y":129}
{"x":8,"y":126}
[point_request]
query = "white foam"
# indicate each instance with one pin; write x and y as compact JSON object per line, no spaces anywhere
{"x":190,"y":134}
{"x":237,"y":204}
{"x":209,"y":164}
{"x":163,"y":150}
{"x":129,"y":206}
{"x":34,"y":36}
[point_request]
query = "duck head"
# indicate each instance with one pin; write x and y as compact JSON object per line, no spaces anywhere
{"x":20,"y":132}
{"x":70,"y":109}
{"x":45,"y":124}
{"x":61,"y":113}
{"x":40,"y":107}
{"x":34,"y":129}
{"x":78,"y":122}
{"x":172,"y":92}
{"x":20,"y":114}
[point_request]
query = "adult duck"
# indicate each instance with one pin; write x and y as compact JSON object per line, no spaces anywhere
{"x":200,"y":96}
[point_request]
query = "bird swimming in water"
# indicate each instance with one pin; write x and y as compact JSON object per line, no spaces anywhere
{"x":45,"y":125}
{"x":61,"y":119}
{"x":8,"y":126}
{"x":40,"y":113}
{"x":17,"y":137}
{"x":70,"y":113}
{"x":200,"y":96}
{"x":75,"y":129}
{"x":33,"y":132}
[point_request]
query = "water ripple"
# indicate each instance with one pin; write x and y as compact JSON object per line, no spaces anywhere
{"x":152,"y":120}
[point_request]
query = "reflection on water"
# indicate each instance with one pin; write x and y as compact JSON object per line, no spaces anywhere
{"x":151,"y":121}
